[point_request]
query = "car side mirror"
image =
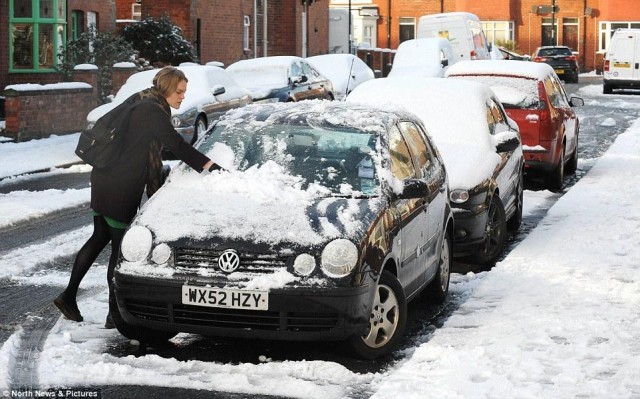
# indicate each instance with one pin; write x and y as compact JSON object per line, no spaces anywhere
{"x":299,"y":79}
{"x":414,"y":188}
{"x":218,"y":89}
{"x":576,"y":102}
{"x":445,"y":63}
{"x":506,"y":141}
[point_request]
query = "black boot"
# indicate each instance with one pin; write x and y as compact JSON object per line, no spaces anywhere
{"x":68,"y":307}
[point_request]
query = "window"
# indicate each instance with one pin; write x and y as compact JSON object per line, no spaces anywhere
{"x":549,"y":32}
{"x":245,"y":33}
{"x":77,"y":24}
{"x":416,"y":143}
{"x":36,"y":34}
{"x":136,"y":11}
{"x":607,"y":29}
{"x":570,"y":34}
{"x":401,"y":164}
{"x":498,"y":31}
{"x":407,"y":29}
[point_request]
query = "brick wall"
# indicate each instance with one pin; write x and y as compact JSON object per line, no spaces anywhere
{"x":36,"y":113}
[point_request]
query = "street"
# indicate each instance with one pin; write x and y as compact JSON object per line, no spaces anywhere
{"x":26,"y":301}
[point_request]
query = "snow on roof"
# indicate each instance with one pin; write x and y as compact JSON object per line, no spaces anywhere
{"x":454,"y":113}
{"x":50,"y":86}
{"x":260,"y":75}
{"x":527,"y":69}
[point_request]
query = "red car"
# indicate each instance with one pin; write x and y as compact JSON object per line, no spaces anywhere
{"x":534,"y":97}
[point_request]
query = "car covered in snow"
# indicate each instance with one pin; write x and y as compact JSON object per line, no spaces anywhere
{"x":346,"y":71}
{"x":281,"y":79}
{"x":481,"y":150}
{"x":211,"y":92}
{"x":534,"y":97}
{"x":429,"y":57}
{"x":329,"y":218}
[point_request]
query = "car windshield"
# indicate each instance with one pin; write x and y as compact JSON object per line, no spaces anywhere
{"x":338,"y":159}
{"x":550,"y":52}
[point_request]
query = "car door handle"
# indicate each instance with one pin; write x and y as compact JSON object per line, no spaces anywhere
{"x":637,"y":65}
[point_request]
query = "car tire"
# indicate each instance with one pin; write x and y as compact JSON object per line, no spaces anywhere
{"x":607,"y":89}
{"x":141,"y":334}
{"x":514,"y":222}
{"x":495,"y":234}
{"x":438,"y":289}
{"x":198,"y":128}
{"x":387,"y":322}
{"x":555,"y":179}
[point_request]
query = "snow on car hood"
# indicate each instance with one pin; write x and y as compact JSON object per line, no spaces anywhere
{"x":262,"y":204}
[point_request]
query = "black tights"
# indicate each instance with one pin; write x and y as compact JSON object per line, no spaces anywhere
{"x":102,"y":234}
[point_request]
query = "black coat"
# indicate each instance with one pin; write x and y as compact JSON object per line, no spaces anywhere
{"x":117,"y":192}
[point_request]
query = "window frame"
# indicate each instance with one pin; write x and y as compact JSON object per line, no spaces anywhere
{"x":57,"y":24}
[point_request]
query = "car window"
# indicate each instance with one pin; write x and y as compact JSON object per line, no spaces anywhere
{"x":310,"y":72}
{"x":421,"y":153}
{"x":562,"y":95}
{"x":549,"y":52}
{"x":555,"y":96}
{"x":496,"y":112}
{"x":401,"y":163}
{"x":295,"y":70}
{"x":490,"y":120}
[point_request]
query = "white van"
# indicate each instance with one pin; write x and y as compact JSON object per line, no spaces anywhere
{"x":422,"y":57}
{"x":462,"y":29}
{"x":622,"y":62}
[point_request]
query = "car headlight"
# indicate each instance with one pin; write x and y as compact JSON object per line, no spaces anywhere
{"x":304,"y":264}
{"x":176,"y":121}
{"x":339,"y":257}
{"x":459,"y":196}
{"x":161,"y":254}
{"x":136,"y":244}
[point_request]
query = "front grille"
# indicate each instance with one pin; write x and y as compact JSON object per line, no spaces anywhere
{"x":233,"y":318}
{"x":208,"y":258}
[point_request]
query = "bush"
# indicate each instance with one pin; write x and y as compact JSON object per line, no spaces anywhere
{"x":102,"y":49}
{"x":159,"y":41}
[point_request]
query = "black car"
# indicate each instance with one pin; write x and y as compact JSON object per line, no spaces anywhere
{"x":330,"y":218}
{"x":561,"y":59}
{"x":281,"y":79}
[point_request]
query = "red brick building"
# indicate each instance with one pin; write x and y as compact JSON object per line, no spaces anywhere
{"x":32,"y":31}
{"x":584,"y":25}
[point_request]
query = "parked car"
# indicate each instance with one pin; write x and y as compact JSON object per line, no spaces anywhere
{"x":462,"y":29}
{"x":561,"y":59}
{"x":281,"y":79}
{"x":330,"y":218}
{"x":534,"y":97}
{"x":422,"y":58}
{"x":622,"y":61}
{"x":211,"y":92}
{"x":512,"y":55}
{"x":481,"y":150}
{"x":346,"y":71}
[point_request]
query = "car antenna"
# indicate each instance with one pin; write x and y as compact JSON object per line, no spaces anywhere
{"x":346,"y":91}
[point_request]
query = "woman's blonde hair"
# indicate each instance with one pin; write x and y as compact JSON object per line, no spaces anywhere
{"x":167,"y":79}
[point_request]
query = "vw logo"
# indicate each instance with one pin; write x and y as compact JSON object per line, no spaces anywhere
{"x":229,"y":261}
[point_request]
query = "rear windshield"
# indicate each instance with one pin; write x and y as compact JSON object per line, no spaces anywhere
{"x":513,"y":92}
{"x":550,"y":52}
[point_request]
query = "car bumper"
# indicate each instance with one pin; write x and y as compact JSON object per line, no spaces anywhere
{"x":469,"y":230}
{"x":300,"y":314}
{"x":623,"y":83}
{"x":544,"y":158}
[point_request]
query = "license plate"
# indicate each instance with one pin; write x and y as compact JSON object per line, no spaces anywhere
{"x":622,"y":65}
{"x":559,"y":70}
{"x":225,"y":298}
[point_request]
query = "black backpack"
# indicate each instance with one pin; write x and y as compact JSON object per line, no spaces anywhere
{"x":101,"y":145}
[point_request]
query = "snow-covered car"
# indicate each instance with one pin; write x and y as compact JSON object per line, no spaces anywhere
{"x":346,"y":71}
{"x":481,"y":149}
{"x":534,"y":97}
{"x":329,"y":219}
{"x":211,"y":92}
{"x":429,"y":57}
{"x":281,"y":79}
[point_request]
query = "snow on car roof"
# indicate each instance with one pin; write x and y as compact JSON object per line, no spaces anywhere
{"x":454,"y":113}
{"x":339,"y":67}
{"x":533,"y":70}
{"x":201,"y":79}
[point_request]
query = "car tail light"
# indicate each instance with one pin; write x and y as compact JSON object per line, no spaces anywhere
{"x":570,"y":58}
{"x":473,"y":54}
{"x":544,"y":107}
{"x":606,"y":65}
{"x":539,"y":59}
